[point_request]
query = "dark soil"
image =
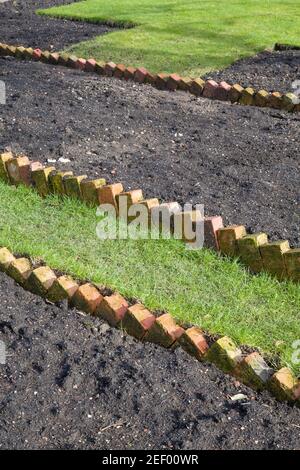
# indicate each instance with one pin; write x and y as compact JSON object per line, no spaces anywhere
{"x":269,"y":70}
{"x":71,"y":381}
{"x":241,"y":162}
{"x":19,"y":25}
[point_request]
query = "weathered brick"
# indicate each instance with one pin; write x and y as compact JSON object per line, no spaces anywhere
{"x":150,"y":79}
{"x":72,"y":185}
{"x":119,"y":71}
{"x":107,"y":194}
{"x":129,"y":73}
{"x":20,"y":52}
{"x":80,"y":64}
{"x":254,"y":371}
{"x":56,"y":181}
{"x":45,"y":56}
{"x":185,"y":83}
{"x":261,"y":98}
{"x":197,"y":86}
{"x":19,"y":270}
{"x":127,"y":199}
{"x":292,"y":263}
{"x":53,"y":58}
{"x":112,"y":309}
{"x":4,"y":159}
{"x":275,"y":100}
{"x":19,"y":170}
{"x":193,"y":341}
{"x":222,"y":92}
{"x":6,"y":258}
{"x":137,"y":320}
{"x":64,"y":287}
{"x":40,"y":179}
{"x":63,"y":59}
{"x":210,"y":88}
{"x":228,"y":237}
{"x":87,"y":298}
{"x":109,"y":68}
{"x":211,"y":227}
{"x":247,"y":97}
{"x":100,"y":68}
{"x":161,"y":81}
{"x":289,"y":100}
{"x":89,"y":190}
{"x":40,"y":280}
{"x":249,"y":250}
{"x":173,"y":82}
{"x":72,"y":61}
{"x":272,"y":257}
{"x":90,"y":65}
{"x":284,"y":385}
{"x":11,"y":50}
{"x":164,"y":331}
{"x":140,"y":75}
{"x":28,"y":53}
{"x":225,"y":354}
{"x":37,"y":54}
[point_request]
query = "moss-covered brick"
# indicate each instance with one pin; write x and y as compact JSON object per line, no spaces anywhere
{"x":247,"y":96}
{"x":112,"y":309}
{"x":28,"y":53}
{"x":45,"y":56}
{"x":275,"y":100}
{"x":292,"y":264}
{"x":225,"y":354}
{"x":20,"y":52}
{"x":63,"y":59}
{"x":261,"y":98}
{"x":4,"y":158}
{"x":64,"y":287}
{"x":40,"y":280}
{"x":164,"y":331}
{"x":56,"y":181}
{"x":249,"y":250}
{"x":235,"y":93}
{"x":197,"y":86}
{"x":254,"y":371}
{"x":72,"y":185}
{"x":227,"y":238}
{"x":11,"y":50}
{"x":40,"y":179}
{"x":185,"y":83}
{"x":289,"y":100}
{"x":19,"y":270}
{"x":89,"y":190}
{"x":19,"y":170}
{"x":193,"y":341}
{"x":137,"y":321}
{"x":72,"y":61}
{"x":6,"y":258}
{"x":272,"y":257}
{"x":284,"y":385}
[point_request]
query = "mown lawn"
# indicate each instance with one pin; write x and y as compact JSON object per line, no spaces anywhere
{"x":188,"y":37}
{"x":198,"y":287}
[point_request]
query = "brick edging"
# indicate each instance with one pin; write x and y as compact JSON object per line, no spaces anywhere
{"x":139,"y":322}
{"x":253,"y":250}
{"x":197,"y":86}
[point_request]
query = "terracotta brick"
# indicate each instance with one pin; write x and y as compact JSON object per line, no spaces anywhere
{"x":4,"y":159}
{"x":72,"y":61}
{"x":222,"y":91}
{"x":140,"y":75}
{"x":112,"y":309}
{"x":119,"y":71}
{"x":254,"y":371}
{"x":107,"y":194}
{"x":100,"y":68}
{"x":87,"y":298}
{"x":247,"y":97}
{"x":284,"y":385}
{"x":272,"y":258}
{"x":197,"y":86}
{"x":289,"y":100}
{"x":90,"y":65}
{"x":72,"y":185}
{"x":19,"y":170}
{"x":261,"y":98}
{"x":135,"y":209}
{"x":137,"y":321}
{"x":80,"y":64}
{"x":292,"y":263}
{"x":225,"y":354}
{"x":6,"y":258}
{"x":40,"y":280}
{"x":228,"y":237}
{"x":173,"y":82}
{"x":64,"y":287}
{"x":19,"y":270}
{"x":164,"y":331}
{"x":53,"y":58}
{"x":36,"y":55}
{"x":210,"y":88}
{"x":185,"y":83}
{"x":249,"y":250}
{"x":89,"y":190}
{"x":193,"y":342}
{"x":40,"y":179}
{"x":275,"y":100}
{"x":161,"y":81}
{"x":129,"y":73}
{"x":56,"y":181}
{"x":127,"y":199}
{"x":211,"y":227}
{"x":150,"y":79}
{"x":109,"y":68}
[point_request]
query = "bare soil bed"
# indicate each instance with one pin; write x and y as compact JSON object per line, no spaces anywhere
{"x":241,"y":162}
{"x":72,"y":382}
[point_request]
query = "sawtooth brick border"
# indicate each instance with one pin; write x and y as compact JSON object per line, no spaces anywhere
{"x":132,"y":317}
{"x":210,"y":89}
{"x":253,"y":250}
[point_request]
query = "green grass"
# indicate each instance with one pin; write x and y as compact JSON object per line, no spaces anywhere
{"x":188,"y":37}
{"x":199,"y":287}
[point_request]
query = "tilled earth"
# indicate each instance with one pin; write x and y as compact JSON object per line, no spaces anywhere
{"x":71,"y":382}
{"x":240,"y":162}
